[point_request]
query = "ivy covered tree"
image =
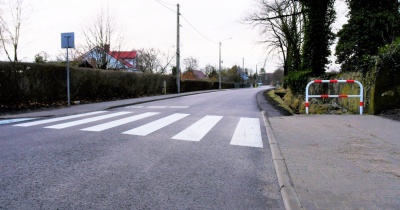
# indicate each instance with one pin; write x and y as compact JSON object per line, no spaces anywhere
{"x":318,"y":35}
{"x":372,"y":24}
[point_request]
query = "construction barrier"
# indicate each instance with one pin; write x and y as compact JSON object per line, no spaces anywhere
{"x":336,"y":96}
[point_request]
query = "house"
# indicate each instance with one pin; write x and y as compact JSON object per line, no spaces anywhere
{"x":102,"y":58}
{"x":194,"y":74}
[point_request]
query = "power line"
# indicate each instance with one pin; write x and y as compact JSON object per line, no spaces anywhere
{"x":163,"y":4}
{"x":227,"y":50}
{"x":166,"y":2}
{"x":198,"y":30}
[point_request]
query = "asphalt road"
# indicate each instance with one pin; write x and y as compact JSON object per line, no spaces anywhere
{"x":206,"y":151}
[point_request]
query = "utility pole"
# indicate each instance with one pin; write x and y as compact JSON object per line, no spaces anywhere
{"x":219,"y":75}
{"x":178,"y":53}
{"x":220,"y":62}
{"x":256,"y":77}
{"x":243,"y":65}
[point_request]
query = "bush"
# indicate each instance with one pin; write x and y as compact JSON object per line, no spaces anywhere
{"x":297,"y":81}
{"x":32,"y":85}
{"x":387,"y":85}
{"x":27,"y":84}
{"x":196,"y":85}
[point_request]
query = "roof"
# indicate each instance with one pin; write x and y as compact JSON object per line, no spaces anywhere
{"x":120,"y":56}
{"x":123,"y":54}
{"x":199,"y":74}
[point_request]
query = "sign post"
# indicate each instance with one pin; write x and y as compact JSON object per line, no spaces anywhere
{"x":68,"y":41}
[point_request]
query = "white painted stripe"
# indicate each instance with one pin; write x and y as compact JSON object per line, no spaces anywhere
{"x":156,"y":107}
{"x":116,"y":123}
{"x":247,"y":133}
{"x":156,"y":125}
{"x":88,"y":120}
{"x":3,"y":122}
{"x":199,"y":129}
{"x":58,"y":119}
{"x":134,"y":107}
{"x":179,"y":107}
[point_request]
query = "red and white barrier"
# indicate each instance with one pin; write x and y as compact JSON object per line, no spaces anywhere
{"x":336,"y":96}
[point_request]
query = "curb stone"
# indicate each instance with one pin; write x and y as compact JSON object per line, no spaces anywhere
{"x":289,"y":195}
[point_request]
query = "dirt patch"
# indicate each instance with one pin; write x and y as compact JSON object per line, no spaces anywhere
{"x":367,"y":153}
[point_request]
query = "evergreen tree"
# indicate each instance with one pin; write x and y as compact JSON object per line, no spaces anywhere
{"x":318,"y":36}
{"x":372,"y":24}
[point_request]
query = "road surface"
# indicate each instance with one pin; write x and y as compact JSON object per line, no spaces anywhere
{"x":206,"y":151}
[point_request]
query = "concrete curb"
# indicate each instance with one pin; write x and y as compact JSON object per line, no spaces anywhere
{"x":289,"y":195}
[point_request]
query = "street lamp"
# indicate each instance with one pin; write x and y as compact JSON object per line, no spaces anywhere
{"x":219,"y":75}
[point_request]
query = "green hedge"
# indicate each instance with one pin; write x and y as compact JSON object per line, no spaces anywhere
{"x":26,"y":84}
{"x":297,"y":81}
{"x":196,"y":85}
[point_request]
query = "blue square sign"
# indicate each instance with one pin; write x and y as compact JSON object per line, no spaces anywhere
{"x":67,"y":40}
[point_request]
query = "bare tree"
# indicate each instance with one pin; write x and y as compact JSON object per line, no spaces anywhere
{"x":166,"y":60}
{"x":73,"y":54}
{"x":211,"y":72}
{"x":10,"y":27}
{"x":190,"y":63}
{"x":154,"y":61}
{"x":147,"y":60}
{"x":280,"y":22}
{"x":101,"y":35}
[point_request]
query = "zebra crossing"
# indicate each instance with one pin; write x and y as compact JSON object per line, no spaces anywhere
{"x":247,"y":132}
{"x":157,"y":107}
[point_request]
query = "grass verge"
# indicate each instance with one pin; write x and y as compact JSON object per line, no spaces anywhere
{"x":273,"y":98}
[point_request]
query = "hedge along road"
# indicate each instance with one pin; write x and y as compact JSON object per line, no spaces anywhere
{"x":176,"y":153}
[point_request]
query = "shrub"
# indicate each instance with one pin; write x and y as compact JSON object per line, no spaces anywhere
{"x":297,"y":81}
{"x":29,"y":84}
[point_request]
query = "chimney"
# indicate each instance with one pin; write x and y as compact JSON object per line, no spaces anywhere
{"x":107,"y":48}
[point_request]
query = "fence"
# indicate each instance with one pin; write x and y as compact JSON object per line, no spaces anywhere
{"x":336,"y":96}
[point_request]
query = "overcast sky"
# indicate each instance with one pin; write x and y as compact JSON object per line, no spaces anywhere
{"x":146,"y":24}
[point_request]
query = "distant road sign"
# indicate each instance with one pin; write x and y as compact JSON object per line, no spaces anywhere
{"x":67,"y":40}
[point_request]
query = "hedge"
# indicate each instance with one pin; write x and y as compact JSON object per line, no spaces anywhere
{"x":27,"y":84}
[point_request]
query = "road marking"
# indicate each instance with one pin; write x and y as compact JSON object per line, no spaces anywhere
{"x":134,"y":107}
{"x":247,"y":133}
{"x":156,"y":125}
{"x":156,"y":107}
{"x":88,"y":120}
{"x":58,"y":119}
{"x":199,"y":129}
{"x":178,"y":107}
{"x":116,"y":123}
{"x":3,"y":122}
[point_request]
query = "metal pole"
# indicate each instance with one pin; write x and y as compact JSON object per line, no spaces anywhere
{"x":178,"y":68}
{"x":68,"y":93}
{"x":219,"y":75}
{"x":256,"y":73}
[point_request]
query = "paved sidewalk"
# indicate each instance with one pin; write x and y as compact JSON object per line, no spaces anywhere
{"x":340,"y":161}
{"x":83,"y":108}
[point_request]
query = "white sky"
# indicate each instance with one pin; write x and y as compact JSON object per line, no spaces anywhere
{"x":146,"y":23}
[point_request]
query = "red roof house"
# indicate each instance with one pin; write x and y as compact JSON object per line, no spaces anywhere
{"x":101,"y":58}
